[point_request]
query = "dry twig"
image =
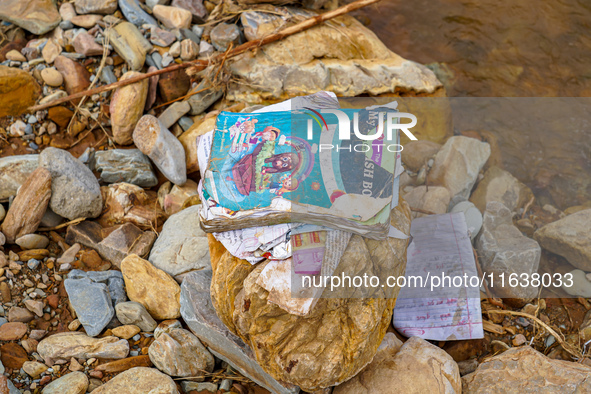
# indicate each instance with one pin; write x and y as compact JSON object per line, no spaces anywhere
{"x":200,"y":64}
{"x":566,"y":346}
{"x":66,"y":224}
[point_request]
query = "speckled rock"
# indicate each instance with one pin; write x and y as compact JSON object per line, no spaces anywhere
{"x":96,"y":6}
{"x":180,"y":353}
{"x":525,"y":370}
{"x":139,"y":380}
{"x":65,"y":345}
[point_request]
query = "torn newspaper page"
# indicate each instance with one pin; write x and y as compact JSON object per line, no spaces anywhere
{"x":430,"y":305}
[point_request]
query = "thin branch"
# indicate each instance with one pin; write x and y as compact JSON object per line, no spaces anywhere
{"x":566,"y":346}
{"x":201,"y":64}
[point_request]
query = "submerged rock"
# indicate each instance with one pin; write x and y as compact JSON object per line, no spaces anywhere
{"x":569,"y":237}
{"x":457,"y":165}
{"x":499,"y":185}
{"x":503,"y":250}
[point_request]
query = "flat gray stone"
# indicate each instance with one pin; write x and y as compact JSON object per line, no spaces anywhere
{"x":199,"y":314}
{"x":92,"y":304}
{"x":135,"y":14}
{"x":113,"y":279}
{"x":182,"y":245}
{"x":14,"y":170}
{"x":124,"y":165}
{"x":75,"y":192}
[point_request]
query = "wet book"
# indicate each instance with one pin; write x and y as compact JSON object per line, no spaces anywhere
{"x":314,"y":164}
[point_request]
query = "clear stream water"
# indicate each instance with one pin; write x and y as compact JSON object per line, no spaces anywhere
{"x":505,"y":48}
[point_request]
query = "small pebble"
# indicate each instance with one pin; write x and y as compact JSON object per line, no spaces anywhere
{"x":519,"y":340}
{"x":33,"y":263}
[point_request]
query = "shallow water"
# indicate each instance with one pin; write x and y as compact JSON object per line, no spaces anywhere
{"x":503,"y":48}
{"x":493,"y":47}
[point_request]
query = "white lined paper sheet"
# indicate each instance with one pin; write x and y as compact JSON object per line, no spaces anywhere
{"x":440,"y":244}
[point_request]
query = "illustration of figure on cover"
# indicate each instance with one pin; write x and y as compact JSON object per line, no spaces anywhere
{"x":264,"y":160}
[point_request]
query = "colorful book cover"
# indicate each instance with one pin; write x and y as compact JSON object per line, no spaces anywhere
{"x":299,"y":156}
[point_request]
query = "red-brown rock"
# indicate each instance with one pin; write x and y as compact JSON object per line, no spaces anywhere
{"x":12,"y":331}
{"x":13,"y":356}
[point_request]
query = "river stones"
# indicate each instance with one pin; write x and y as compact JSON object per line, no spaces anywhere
{"x":75,"y":192}
{"x":157,"y":291}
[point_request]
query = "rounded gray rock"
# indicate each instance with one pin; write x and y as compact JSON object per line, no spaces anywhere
{"x":182,"y":245}
{"x":132,"y":312}
{"x":75,"y":191}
